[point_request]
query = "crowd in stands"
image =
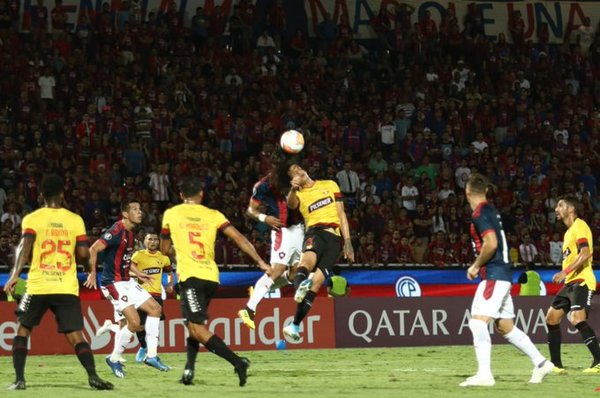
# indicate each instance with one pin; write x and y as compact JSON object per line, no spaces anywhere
{"x":123,"y":106}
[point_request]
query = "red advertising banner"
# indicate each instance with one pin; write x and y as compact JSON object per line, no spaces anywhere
{"x":430,"y":321}
{"x":317,"y":330}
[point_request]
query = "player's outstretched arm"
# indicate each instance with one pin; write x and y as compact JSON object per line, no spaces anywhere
{"x":244,"y":244}
{"x":96,"y":248}
{"x":22,"y":254}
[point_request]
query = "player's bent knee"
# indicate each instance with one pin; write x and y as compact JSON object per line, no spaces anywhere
{"x":475,"y":325}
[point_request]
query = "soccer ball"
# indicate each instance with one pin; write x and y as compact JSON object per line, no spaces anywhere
{"x":292,"y":141}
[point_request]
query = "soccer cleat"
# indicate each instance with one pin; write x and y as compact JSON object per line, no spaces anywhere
{"x":559,"y":371}
{"x":104,"y":328}
{"x":141,"y":355}
{"x":187,"y":378}
{"x":594,"y":369}
{"x":292,"y":332}
{"x":539,"y":372}
{"x":304,"y":287}
{"x":156,"y":363}
{"x":17,"y":385}
{"x":242,"y":370}
{"x":98,"y":384}
{"x":247,"y":316}
{"x":116,"y":367}
{"x":478,"y":381}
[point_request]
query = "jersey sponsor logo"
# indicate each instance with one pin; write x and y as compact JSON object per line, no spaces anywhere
{"x":152,"y":271}
{"x":407,"y":286}
{"x":320,"y":203}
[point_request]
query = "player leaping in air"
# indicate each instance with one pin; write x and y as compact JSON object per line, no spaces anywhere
{"x":287,"y":233}
{"x":320,"y":203}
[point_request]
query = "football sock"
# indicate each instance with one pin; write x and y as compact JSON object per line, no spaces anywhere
{"x":192,"y":348}
{"x":280,"y":282}
{"x":520,"y":340}
{"x":141,"y":338}
{"x":261,"y":288}
{"x":304,"y":307}
{"x":19,"y":354}
{"x":589,"y":339}
{"x":301,"y":274}
{"x":554,"y":342}
{"x":121,"y":341}
{"x":152,"y":326}
{"x":217,"y":346}
{"x":86,"y":358}
{"x":115,"y":327}
{"x":483,"y":346}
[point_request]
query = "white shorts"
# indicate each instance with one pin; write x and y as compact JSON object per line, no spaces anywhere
{"x":286,"y":245}
{"x":493,"y":299}
{"x":124,"y":294}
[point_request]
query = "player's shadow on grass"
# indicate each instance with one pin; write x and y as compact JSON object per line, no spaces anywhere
{"x":53,"y":385}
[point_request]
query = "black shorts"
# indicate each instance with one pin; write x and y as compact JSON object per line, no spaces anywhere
{"x":66,"y":309}
{"x":572,"y":298}
{"x":195,"y":298}
{"x":143,"y":315}
{"x":327,"y":247}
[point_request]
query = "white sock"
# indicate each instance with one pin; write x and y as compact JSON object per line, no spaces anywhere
{"x":114,"y":328}
{"x":483,"y":346}
{"x":520,"y":340}
{"x":152,"y":326}
{"x":261,"y":288}
{"x":121,"y":340}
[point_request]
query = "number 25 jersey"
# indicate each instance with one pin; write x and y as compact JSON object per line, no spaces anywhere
{"x":193,"y":230}
{"x":57,"y":232}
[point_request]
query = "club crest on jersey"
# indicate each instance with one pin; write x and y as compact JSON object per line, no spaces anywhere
{"x":107,"y":236}
{"x":566,"y":253}
{"x":309,"y":243}
{"x":320,"y":203}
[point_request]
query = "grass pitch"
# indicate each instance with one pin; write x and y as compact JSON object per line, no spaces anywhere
{"x":422,"y":372}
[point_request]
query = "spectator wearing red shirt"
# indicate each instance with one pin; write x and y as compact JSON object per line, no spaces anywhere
{"x":436,"y":250}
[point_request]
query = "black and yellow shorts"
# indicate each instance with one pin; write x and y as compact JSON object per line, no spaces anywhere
{"x":65,"y":307}
{"x":195,"y":297}
{"x":326,"y":245}
{"x":573,"y":297}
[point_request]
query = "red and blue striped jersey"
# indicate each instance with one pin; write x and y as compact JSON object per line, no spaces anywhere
{"x":275,"y":204}
{"x":119,"y":244}
{"x":485,"y":220}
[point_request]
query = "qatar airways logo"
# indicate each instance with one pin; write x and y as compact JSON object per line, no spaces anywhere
{"x":320,"y":203}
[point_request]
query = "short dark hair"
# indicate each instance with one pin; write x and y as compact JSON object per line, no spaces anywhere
{"x":573,"y":201}
{"x":479,"y":183}
{"x":190,"y":186}
{"x":52,"y":185}
{"x":126,"y":203}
